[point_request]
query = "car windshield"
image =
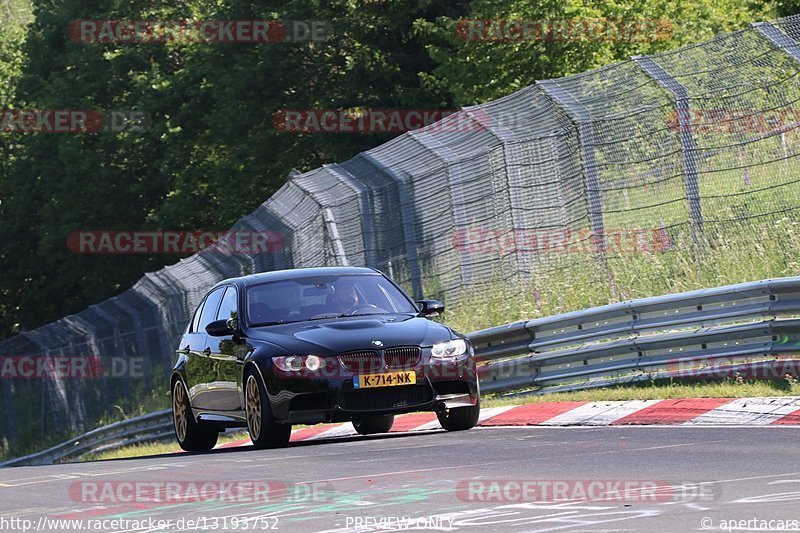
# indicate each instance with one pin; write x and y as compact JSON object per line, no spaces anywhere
{"x":319,"y":297}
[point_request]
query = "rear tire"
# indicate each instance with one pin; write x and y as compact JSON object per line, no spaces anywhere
{"x":373,"y":424}
{"x":191,"y":436}
{"x":460,"y":418}
{"x":264,"y":431}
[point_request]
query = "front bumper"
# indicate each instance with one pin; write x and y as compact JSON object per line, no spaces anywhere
{"x":322,"y":397}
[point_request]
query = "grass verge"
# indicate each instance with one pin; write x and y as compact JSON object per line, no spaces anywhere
{"x":154,"y":448}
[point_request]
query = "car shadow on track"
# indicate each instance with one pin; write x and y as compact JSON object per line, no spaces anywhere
{"x":298,"y":444}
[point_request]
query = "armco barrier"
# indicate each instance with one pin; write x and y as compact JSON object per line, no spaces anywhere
{"x":747,"y":328}
{"x":750,"y":328}
{"x":133,"y":430}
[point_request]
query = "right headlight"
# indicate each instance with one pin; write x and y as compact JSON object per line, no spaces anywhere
{"x":449,"y":349}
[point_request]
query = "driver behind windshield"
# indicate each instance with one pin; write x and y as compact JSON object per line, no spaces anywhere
{"x":344,"y":299}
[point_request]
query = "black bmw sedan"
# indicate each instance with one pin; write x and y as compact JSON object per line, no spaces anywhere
{"x":315,"y":345}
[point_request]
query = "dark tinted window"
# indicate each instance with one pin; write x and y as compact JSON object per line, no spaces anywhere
{"x":317,"y":297}
{"x":209,"y":313}
{"x":196,"y":320}
{"x":228,"y":308}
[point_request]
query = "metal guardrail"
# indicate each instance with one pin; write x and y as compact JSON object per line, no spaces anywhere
{"x":750,"y":328}
{"x":125,"y":432}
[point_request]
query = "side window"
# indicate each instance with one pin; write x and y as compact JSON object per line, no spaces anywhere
{"x":209,"y":313}
{"x":229,"y":307}
{"x":196,"y":320}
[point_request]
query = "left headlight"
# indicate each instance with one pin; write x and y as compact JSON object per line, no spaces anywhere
{"x":449,"y":349}
{"x":297,"y":363}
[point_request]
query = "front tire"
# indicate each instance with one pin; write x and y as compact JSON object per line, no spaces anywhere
{"x":191,"y":436}
{"x":264,"y":431}
{"x":460,"y":418}
{"x":373,"y":424}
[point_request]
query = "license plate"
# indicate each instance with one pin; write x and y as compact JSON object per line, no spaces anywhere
{"x":390,"y":379}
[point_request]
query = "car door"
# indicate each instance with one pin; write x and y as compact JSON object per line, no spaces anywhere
{"x":228,"y":355}
{"x":200,"y":374}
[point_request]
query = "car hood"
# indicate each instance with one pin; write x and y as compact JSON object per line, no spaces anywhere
{"x":334,"y":336}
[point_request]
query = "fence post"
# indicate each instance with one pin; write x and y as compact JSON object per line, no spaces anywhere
{"x":407,"y":215}
{"x":458,"y":202}
{"x":8,"y":403}
{"x":365,"y":207}
{"x":688,"y":148}
{"x":583,"y":120}
{"x":780,"y":40}
{"x":336,"y":240}
{"x":328,"y":221}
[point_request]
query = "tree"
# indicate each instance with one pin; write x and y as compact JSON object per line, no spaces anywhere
{"x":481,"y":65}
{"x":210,"y":153}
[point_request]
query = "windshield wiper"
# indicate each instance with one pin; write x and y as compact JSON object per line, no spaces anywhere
{"x":275,"y":323}
{"x":323,"y":317}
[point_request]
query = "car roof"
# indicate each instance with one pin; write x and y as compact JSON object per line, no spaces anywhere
{"x":294,"y":273}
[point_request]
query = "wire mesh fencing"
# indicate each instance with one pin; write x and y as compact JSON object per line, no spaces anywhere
{"x":657,"y":154}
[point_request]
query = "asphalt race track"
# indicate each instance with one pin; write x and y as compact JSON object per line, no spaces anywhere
{"x":486,"y":479}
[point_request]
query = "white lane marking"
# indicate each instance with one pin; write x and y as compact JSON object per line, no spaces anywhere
{"x":771,"y":498}
{"x":751,"y":411}
{"x":79,"y":475}
{"x":752,"y":478}
{"x":492,"y":412}
{"x":672,"y":446}
{"x":599,"y":413}
{"x":342,"y":430}
{"x":405,"y":472}
{"x":428,"y":426}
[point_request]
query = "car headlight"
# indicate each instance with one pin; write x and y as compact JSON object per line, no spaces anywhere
{"x":454,"y":348}
{"x":297,"y":363}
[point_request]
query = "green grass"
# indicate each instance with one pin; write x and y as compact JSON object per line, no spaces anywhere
{"x":575,"y":281}
{"x":649,"y":391}
{"x":153,"y":448}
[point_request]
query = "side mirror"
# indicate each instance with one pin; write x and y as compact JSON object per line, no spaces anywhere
{"x":222,"y":328}
{"x":430,"y":308}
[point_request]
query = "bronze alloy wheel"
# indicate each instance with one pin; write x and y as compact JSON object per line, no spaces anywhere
{"x":253,"y":407}
{"x":192,"y":435}
{"x":179,"y":411}
{"x":264,"y":431}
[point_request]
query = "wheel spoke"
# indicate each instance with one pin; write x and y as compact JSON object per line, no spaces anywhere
{"x":179,"y":412}
{"x":253,"y":407}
